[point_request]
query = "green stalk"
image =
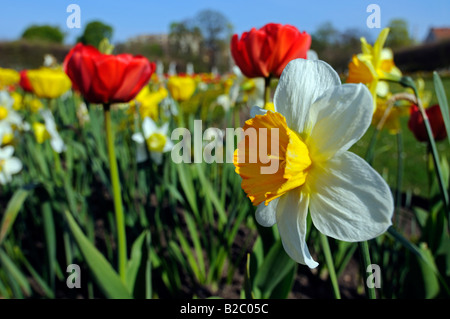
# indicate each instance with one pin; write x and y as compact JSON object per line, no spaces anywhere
{"x":408,"y":82}
{"x":370,"y":154}
{"x":267,"y":93}
{"x":330,"y":265}
{"x":117,"y":195}
{"x":364,"y":249}
{"x":398,"y":194}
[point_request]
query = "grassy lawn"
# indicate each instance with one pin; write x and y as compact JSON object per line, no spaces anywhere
{"x":415,"y":179}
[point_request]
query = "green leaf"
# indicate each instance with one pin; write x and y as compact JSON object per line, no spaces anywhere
{"x":14,"y":272}
{"x":50,"y":239}
{"x":108,"y":280}
{"x":12,"y":209}
{"x":281,"y":291}
{"x":429,"y":270}
{"x":247,"y":280}
{"x":212,"y":196}
{"x":45,"y":288}
{"x":188,"y":187}
{"x":443,"y":104}
{"x":196,"y":241}
{"x":135,"y":260}
{"x":277,"y":264}
{"x":425,"y":259}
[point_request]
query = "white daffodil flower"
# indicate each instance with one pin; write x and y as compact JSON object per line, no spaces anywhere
{"x":6,"y":133}
{"x":56,"y":141}
{"x":155,"y":139}
{"x":7,"y":112}
{"x":9,"y":165}
{"x":318,"y":120}
{"x":312,"y":55}
{"x":224,"y":101}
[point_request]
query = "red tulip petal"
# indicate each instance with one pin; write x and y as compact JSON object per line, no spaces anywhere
{"x":137,"y":74}
{"x":240,"y":56}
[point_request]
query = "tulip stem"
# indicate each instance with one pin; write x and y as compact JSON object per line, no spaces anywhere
{"x":117,"y":195}
{"x":398,"y":193}
{"x":434,"y":152}
{"x":330,"y":265}
{"x":365,"y":256}
{"x":408,"y":82}
{"x":267,"y":93}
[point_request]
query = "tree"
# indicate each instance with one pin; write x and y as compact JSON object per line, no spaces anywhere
{"x":186,"y":43}
{"x":398,"y":35}
{"x":94,"y":32}
{"x":45,"y":33}
{"x":216,"y":29}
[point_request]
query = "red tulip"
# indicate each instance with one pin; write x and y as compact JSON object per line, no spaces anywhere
{"x":417,"y":126}
{"x":105,"y":78}
{"x":25,"y":82}
{"x":267,"y":51}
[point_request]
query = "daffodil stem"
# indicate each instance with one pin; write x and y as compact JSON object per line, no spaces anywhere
{"x":365,"y":254}
{"x":117,"y":195}
{"x":330,"y":265}
{"x":370,"y":154}
{"x":267,"y":93}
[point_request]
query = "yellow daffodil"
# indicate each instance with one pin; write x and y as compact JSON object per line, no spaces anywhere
{"x":181,"y":88}
{"x":7,"y":112}
{"x":391,"y":119}
{"x":373,"y":64}
{"x":17,"y":100}
{"x":40,"y":132}
{"x":269,"y":106}
{"x":49,"y":83}
{"x":35,"y":105}
{"x":6,"y":133}
{"x":308,"y":168}
{"x":148,"y":101}
{"x":8,"y":77}
{"x":48,"y":131}
{"x":155,"y":139}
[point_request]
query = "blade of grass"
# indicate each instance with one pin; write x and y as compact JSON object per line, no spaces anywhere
{"x":11,"y":212}
{"x":108,"y":280}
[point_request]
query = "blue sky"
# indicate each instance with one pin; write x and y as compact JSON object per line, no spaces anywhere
{"x":135,"y":17}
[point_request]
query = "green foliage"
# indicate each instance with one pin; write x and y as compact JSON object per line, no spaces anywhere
{"x":399,"y":34}
{"x":44,"y":33}
{"x":95,"y":32}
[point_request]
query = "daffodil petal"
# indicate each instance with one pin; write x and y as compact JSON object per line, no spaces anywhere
{"x":57,"y":144}
{"x":138,"y":138}
{"x":164,"y":129}
{"x":4,"y":178}
{"x":149,"y":127}
{"x":6,"y":152}
{"x":13,"y":165}
{"x":168,"y":146}
{"x":301,"y":83}
{"x":156,"y":157}
{"x":256,"y":110}
{"x":267,"y":215}
{"x":292,"y":211}
{"x":141,"y":152}
{"x":349,"y":200}
{"x":339,"y":118}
